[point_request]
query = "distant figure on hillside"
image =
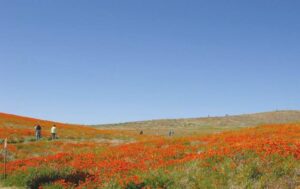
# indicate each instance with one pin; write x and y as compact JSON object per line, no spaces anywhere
{"x":141,"y":132}
{"x":53,"y":132}
{"x":171,"y":133}
{"x":38,"y":132}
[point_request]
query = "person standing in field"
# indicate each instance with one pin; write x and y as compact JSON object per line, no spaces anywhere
{"x":38,"y":132}
{"x":53,"y":132}
{"x":171,"y":133}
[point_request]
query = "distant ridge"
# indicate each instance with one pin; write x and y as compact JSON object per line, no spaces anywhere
{"x":244,"y":120}
{"x":182,"y":127}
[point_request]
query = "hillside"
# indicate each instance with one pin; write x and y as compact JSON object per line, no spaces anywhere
{"x":85,"y":157}
{"x":22,"y":143}
{"x":206,"y":124}
{"x":20,"y":129}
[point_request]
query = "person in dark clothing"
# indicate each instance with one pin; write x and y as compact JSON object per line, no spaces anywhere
{"x":171,"y":133}
{"x":141,"y":132}
{"x":38,"y":132}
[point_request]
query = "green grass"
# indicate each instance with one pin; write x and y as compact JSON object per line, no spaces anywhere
{"x":36,"y":177}
{"x":249,"y":171}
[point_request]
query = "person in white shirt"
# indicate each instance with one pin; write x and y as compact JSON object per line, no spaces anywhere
{"x":53,"y":132}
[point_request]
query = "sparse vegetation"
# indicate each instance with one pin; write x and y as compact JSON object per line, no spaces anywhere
{"x":207,"y":125}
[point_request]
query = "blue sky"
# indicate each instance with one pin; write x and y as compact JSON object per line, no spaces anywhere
{"x":115,"y":61}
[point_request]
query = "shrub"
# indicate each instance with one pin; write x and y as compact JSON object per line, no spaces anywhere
{"x":36,"y":177}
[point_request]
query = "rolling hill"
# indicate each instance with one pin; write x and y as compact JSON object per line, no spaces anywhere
{"x":15,"y":126}
{"x":206,"y":124}
{"x":85,"y":157}
{"x":19,"y":129}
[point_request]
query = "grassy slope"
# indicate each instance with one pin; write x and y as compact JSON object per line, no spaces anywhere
{"x":80,"y":139}
{"x":13,"y":124}
{"x":20,"y":130}
{"x":259,"y":157}
{"x":205,"y":125}
{"x":20,"y":133}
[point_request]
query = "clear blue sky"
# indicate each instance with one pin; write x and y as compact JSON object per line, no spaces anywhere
{"x":114,"y":61}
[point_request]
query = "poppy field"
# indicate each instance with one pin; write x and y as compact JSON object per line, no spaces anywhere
{"x":266,"y":156}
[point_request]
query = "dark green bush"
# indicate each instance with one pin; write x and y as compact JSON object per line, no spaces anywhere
{"x":36,"y":177}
